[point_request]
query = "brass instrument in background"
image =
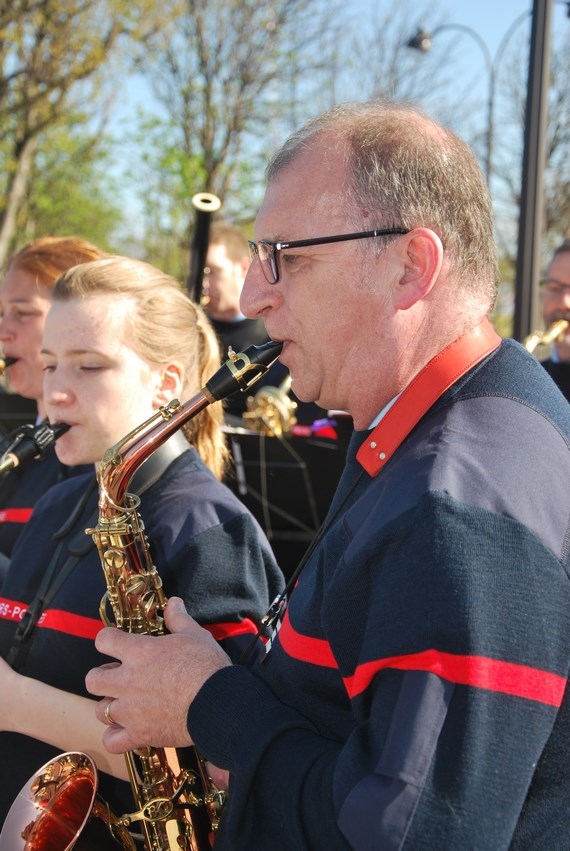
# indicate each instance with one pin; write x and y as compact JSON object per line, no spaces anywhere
{"x":5,"y":363}
{"x":545,"y":338}
{"x":178,"y":805}
{"x":271,"y":410}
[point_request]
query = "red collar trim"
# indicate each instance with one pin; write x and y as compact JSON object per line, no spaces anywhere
{"x":425,"y":389}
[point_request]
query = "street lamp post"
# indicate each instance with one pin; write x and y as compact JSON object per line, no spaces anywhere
{"x":531,"y":212}
{"x":532,"y":199}
{"x":422,"y":41}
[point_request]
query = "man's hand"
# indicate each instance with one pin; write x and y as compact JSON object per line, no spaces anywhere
{"x":147,"y":692}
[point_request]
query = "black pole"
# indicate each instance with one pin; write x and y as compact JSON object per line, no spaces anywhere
{"x":205,"y":205}
{"x":532,"y":203}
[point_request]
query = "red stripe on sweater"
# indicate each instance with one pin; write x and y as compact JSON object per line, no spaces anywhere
{"x":228,"y":630}
{"x":77,"y":625}
{"x":477,"y":671}
{"x":15,"y":515}
{"x":84,"y":627}
{"x":317,"y":651}
{"x":57,"y":619}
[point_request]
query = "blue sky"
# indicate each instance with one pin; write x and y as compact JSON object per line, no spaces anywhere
{"x":498,"y":23}
{"x":492,"y":18}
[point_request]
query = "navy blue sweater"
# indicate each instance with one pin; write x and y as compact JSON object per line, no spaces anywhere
{"x":22,"y":487}
{"x":208,"y":549}
{"x":415,"y":696}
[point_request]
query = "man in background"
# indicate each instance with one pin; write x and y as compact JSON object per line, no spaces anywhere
{"x":227,"y":262}
{"x":555,"y":302}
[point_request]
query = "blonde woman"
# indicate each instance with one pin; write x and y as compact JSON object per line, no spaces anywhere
{"x":121,"y":339}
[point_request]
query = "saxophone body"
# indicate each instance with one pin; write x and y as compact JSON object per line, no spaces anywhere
{"x":178,"y":806}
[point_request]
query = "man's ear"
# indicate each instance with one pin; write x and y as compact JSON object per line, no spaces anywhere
{"x":422,"y":256}
{"x":170,"y":384}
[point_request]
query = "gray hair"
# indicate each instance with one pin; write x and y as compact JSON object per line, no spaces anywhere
{"x":408,"y":171}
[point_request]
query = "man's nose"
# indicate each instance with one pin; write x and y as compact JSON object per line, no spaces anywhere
{"x":257,"y":295}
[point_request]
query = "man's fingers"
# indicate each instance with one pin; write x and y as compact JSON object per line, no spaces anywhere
{"x":177,"y":619}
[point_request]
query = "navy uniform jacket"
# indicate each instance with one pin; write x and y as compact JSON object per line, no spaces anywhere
{"x":416,"y":695}
{"x":559,"y":371}
{"x":21,"y":488}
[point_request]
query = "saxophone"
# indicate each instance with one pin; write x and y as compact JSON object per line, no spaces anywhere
{"x":178,"y":805}
{"x":544,"y":338}
{"x":272,"y":411}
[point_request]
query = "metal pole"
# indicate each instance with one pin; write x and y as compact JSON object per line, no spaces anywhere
{"x":531,"y":212}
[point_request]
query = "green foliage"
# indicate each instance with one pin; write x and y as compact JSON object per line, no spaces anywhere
{"x":51,"y":56}
{"x":72,"y":191}
{"x":226,"y":80}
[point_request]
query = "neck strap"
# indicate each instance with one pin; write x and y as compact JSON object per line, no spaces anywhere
{"x":423,"y":391}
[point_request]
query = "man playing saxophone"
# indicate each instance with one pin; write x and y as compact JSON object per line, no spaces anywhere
{"x":555,"y":303}
{"x":121,"y":340}
{"x":415,"y":696}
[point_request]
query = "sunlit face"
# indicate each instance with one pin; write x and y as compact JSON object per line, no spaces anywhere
{"x":24,"y":304}
{"x":555,"y":297}
{"x":330,"y":298}
{"x":223,"y":283}
{"x":93,"y":380}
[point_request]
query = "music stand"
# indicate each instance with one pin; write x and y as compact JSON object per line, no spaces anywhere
{"x":287,"y":483}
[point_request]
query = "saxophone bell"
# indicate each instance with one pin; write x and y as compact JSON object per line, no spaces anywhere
{"x":59,"y":807}
{"x":272,"y":411}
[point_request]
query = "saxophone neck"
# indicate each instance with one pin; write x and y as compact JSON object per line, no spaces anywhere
{"x":120,"y":462}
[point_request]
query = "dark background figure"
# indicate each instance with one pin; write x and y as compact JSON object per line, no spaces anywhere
{"x":555,"y":302}
{"x":227,"y":261}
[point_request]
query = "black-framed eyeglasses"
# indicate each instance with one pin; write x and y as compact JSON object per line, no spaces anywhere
{"x":266,"y":252}
{"x":554,"y":287}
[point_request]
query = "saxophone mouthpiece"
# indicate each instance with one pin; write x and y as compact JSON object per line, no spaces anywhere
{"x":30,"y":442}
{"x":5,"y":363}
{"x":242,"y":369}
